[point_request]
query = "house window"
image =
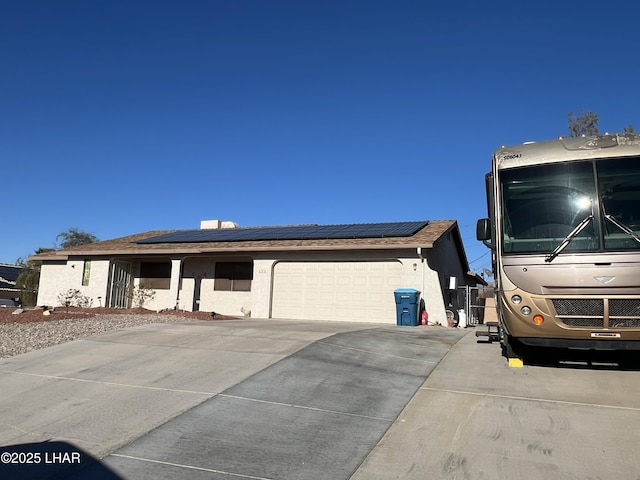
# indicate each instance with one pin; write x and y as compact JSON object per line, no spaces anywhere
{"x":155,"y":275}
{"x":233,"y":276}
{"x":86,"y":273}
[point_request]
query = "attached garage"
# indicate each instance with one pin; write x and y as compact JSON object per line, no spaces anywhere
{"x":338,"y":291}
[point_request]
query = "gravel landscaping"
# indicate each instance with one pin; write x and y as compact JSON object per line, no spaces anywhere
{"x":32,"y":329}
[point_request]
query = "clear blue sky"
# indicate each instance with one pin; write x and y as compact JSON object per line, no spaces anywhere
{"x":120,"y":117}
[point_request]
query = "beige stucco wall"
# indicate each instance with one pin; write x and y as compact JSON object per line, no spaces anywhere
{"x":164,"y":299}
{"x":432,"y":296}
{"x":56,"y":278}
{"x":261,"y":287}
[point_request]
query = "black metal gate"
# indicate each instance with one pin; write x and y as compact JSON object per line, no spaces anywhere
{"x":473,"y":302}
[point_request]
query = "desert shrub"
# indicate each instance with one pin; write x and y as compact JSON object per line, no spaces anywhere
{"x":74,"y":298}
{"x":141,"y":294}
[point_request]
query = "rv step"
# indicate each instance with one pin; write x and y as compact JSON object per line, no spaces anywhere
{"x":489,"y":329}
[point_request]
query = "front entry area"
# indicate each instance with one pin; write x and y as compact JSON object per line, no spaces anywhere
{"x":336,"y":291}
{"x":119,"y":284}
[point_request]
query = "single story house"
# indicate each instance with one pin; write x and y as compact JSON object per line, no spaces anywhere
{"x":321,"y":272}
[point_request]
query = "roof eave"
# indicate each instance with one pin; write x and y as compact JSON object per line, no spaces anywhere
{"x":426,"y":238}
{"x":174,"y":251}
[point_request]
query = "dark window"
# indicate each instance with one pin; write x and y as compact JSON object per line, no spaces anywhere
{"x":233,"y":276}
{"x":155,"y":274}
{"x":155,"y":270}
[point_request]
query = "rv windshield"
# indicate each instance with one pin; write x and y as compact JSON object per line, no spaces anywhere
{"x":546,"y":206}
{"x":542,"y":205}
{"x":619,"y":184}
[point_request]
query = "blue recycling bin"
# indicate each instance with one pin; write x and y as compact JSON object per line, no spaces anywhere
{"x":407,"y":301}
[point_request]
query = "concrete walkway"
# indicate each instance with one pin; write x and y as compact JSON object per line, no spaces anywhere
{"x":476,"y":418}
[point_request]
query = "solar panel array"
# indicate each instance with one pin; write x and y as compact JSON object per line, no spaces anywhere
{"x":302,"y":232}
{"x":9,"y":272}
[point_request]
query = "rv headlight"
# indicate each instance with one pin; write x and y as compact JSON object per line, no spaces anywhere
{"x":516,"y":299}
{"x":526,"y":310}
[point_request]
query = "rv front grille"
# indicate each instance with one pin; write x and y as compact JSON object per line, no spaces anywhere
{"x":584,"y":322}
{"x":598,"y":313}
{"x":579,"y":306}
{"x":624,"y":322}
{"x":626,"y":307}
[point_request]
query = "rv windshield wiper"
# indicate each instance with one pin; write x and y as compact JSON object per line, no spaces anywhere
{"x":622,"y":226}
{"x":567,"y":240}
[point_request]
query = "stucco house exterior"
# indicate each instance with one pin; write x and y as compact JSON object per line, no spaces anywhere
{"x":307,"y":272}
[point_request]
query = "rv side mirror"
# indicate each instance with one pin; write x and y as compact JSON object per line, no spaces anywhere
{"x":483,"y":229}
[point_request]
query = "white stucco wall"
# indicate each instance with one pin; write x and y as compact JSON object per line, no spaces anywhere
{"x":185,"y":298}
{"x":261,"y":287}
{"x":59,"y":277}
{"x":425,"y":280}
{"x":163,"y":299}
{"x":227,"y":303}
{"x":54,"y":278}
{"x":432,"y":295}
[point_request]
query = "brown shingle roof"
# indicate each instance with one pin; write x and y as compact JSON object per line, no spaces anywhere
{"x":424,"y":238}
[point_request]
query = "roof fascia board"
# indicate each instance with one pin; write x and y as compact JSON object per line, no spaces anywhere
{"x":200,"y":251}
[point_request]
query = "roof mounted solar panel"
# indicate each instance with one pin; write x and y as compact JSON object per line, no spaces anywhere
{"x":301,"y":232}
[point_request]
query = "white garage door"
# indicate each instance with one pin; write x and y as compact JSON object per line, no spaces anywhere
{"x":341,"y":291}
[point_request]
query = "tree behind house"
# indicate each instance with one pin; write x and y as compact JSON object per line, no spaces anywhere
{"x":584,"y":124}
{"x":74,"y":237}
{"x":29,"y":279}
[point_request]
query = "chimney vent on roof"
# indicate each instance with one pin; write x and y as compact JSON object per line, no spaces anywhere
{"x":216,"y":224}
{"x":209,"y":224}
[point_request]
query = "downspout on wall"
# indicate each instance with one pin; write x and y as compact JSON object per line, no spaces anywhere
{"x":419,"y":251}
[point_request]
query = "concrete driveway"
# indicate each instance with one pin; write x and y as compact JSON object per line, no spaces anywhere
{"x":258,"y":399}
{"x":263,"y":399}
